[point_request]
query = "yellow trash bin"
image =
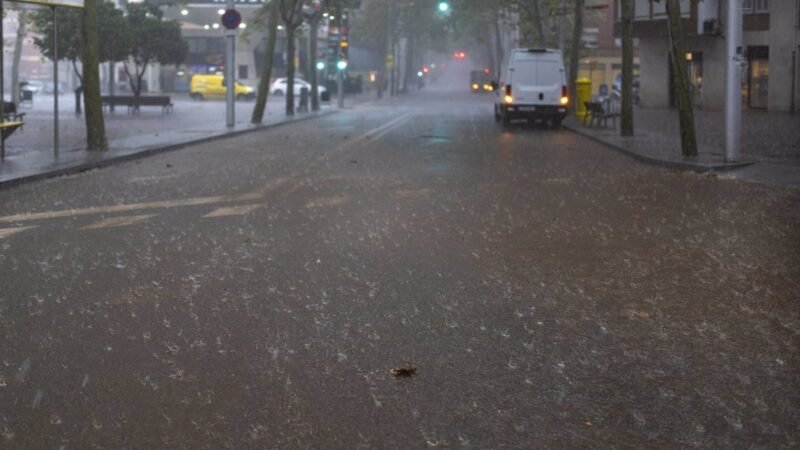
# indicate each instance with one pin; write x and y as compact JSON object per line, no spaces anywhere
{"x":584,"y":94}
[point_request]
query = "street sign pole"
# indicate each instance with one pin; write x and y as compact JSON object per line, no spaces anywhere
{"x":230,"y":70}
{"x":55,"y":82}
{"x":733,"y":102}
{"x":2,"y":90}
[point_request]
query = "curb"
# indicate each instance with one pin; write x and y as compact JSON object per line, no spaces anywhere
{"x":145,"y":152}
{"x":670,"y":164}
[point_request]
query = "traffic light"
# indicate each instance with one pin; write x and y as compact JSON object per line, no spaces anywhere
{"x":444,"y":7}
{"x":341,"y":65}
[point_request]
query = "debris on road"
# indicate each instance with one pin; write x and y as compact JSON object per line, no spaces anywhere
{"x":403,"y":371}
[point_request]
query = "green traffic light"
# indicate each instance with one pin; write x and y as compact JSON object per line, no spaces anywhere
{"x":444,"y":7}
{"x":341,"y":65}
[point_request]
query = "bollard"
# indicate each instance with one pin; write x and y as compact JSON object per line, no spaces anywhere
{"x":303,"y":107}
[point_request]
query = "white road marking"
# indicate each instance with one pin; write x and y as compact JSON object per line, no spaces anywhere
{"x":118,"y":222}
{"x":328,"y":201}
{"x":255,"y":195}
{"x":232,"y":211}
{"x":8,"y":232}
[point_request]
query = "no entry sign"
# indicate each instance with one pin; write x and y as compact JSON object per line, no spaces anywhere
{"x":231,"y":19}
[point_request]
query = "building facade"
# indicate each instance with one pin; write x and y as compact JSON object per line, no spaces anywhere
{"x":601,"y":58}
{"x":771,"y":37}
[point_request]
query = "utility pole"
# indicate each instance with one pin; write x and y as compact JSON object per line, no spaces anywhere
{"x":733,"y":82}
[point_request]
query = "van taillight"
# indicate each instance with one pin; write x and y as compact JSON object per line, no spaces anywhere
{"x":508,"y":89}
{"x":564,"y":95}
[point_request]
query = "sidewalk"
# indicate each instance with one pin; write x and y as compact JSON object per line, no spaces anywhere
{"x":770,"y":143}
{"x":29,"y":152}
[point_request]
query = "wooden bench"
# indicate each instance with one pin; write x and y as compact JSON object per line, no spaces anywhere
{"x":600,"y":112}
{"x":133,"y":104}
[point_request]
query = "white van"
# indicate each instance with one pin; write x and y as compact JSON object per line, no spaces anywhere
{"x":536,"y":87}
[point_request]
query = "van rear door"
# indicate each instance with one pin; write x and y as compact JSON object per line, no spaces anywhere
{"x":537,"y":79}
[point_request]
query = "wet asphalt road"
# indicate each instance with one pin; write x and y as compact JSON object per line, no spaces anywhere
{"x":254,"y":292}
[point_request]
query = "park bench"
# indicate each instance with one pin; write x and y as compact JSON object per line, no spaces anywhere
{"x":10,"y":113}
{"x":133,"y":104}
{"x":600,"y":112}
{"x":6,"y":130}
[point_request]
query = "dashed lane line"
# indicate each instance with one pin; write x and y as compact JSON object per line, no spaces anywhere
{"x":121,"y":221}
{"x":232,"y":211}
{"x":8,"y":232}
{"x":131,"y":207}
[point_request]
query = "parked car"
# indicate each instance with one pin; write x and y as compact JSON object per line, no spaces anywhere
{"x":279,"y":88}
{"x":536,"y":88}
{"x":213,"y":86}
{"x":34,"y":86}
{"x":49,"y":88}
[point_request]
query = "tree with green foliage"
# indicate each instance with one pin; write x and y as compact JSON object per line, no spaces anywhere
{"x":81,"y":37}
{"x":153,"y":40}
{"x":112,"y":36}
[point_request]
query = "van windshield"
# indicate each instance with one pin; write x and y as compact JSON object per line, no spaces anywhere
{"x":537,"y":72}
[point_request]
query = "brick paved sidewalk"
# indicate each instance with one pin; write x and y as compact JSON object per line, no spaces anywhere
{"x":770,"y":143}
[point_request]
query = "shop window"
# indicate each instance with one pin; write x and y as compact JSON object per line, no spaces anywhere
{"x":757,"y":85}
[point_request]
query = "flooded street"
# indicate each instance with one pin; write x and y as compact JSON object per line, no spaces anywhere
{"x":254,"y":292}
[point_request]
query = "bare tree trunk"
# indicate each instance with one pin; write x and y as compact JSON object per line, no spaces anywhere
{"x":290,"y":70}
{"x":500,"y":55}
{"x":266,"y":69}
{"x":626,"y":116}
{"x":410,"y":72}
{"x":22,"y":16}
{"x":681,"y":77}
{"x":312,"y":58}
{"x":96,"y":139}
{"x":577,"y":41}
{"x":491,"y":59}
{"x":537,"y":10}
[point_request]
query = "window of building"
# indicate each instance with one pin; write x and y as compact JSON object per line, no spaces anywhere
{"x":650,"y":9}
{"x":756,"y":6}
{"x":243,"y":72}
{"x":590,"y":37}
